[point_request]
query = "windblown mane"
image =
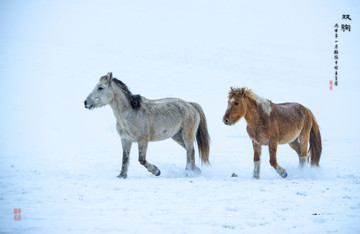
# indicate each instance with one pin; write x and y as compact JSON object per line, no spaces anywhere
{"x":134,"y":100}
{"x":245,"y":92}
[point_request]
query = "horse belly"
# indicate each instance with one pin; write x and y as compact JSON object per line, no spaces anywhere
{"x":168,"y":117}
{"x":291,"y":121}
{"x":290,"y":137}
{"x":257,"y":136}
{"x":161,"y":132}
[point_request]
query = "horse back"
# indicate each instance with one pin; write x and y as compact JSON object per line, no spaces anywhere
{"x":166,"y":117}
{"x":169,"y":107}
{"x":289,"y":111}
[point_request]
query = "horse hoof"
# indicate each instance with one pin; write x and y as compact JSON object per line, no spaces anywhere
{"x":122,"y":176}
{"x":234,"y":175}
{"x":284,"y":175}
{"x":158,"y":172}
{"x":193,"y":170}
{"x":197,"y":171}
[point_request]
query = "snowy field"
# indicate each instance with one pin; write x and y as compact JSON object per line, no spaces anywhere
{"x":59,"y":161}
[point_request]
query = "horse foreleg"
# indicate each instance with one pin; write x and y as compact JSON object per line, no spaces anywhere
{"x":272,"y":150}
{"x":257,"y":153}
{"x":126,"y":145}
{"x":142,"y":158}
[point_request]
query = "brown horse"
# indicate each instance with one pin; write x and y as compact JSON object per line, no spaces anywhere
{"x":272,"y":124}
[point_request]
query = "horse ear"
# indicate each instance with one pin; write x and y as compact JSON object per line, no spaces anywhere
{"x":242,"y":92}
{"x":109,"y":75}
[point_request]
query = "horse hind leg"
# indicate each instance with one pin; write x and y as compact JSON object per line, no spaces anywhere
{"x":189,"y":166}
{"x":295,"y":145}
{"x":188,"y":145}
{"x":178,"y":139}
{"x":304,"y":140}
{"x":190,"y":161}
{"x":142,"y":159}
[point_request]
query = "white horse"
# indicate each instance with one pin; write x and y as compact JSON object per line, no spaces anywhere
{"x":141,"y":120}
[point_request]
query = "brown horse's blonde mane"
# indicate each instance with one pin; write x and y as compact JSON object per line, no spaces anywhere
{"x":239,"y":92}
{"x":245,"y":92}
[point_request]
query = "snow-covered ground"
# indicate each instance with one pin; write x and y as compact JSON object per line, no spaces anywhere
{"x":59,"y":161}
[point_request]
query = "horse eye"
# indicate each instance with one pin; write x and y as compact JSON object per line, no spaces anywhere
{"x":236,"y":103}
{"x":100,"y":88}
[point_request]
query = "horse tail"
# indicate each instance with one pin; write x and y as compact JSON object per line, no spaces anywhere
{"x":202,"y":136}
{"x":315,"y":143}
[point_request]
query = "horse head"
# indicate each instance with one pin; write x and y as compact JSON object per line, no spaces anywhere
{"x":102,"y":93}
{"x":236,"y":106}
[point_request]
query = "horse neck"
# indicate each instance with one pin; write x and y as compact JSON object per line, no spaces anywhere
{"x":252,"y":115}
{"x":120,"y":104}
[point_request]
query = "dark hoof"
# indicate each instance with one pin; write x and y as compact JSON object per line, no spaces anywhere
{"x":122,"y":176}
{"x":234,"y":175}
{"x":158,"y":173}
{"x":284,"y":175}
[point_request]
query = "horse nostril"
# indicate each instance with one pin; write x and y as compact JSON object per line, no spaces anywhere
{"x":85,"y":103}
{"x":226,"y":121}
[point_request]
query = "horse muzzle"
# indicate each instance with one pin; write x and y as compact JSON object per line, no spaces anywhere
{"x":88,"y":105}
{"x":227,"y":121}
